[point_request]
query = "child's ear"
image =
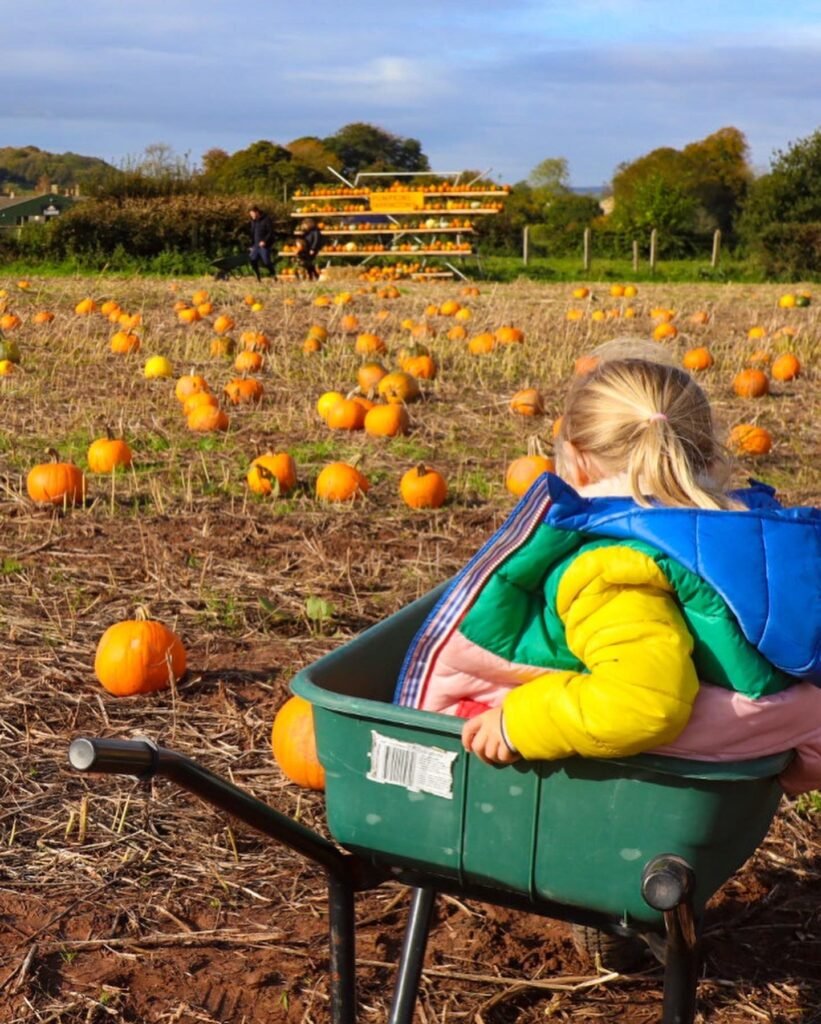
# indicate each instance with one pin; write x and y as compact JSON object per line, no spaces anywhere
{"x":571,"y":465}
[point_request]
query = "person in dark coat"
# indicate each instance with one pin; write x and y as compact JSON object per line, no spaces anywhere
{"x":262,"y":241}
{"x":309,"y":243}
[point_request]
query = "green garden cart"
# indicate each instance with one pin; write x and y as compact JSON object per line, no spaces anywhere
{"x":627,"y":848}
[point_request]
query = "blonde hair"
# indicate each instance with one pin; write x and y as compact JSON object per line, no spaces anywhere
{"x":653,"y":422}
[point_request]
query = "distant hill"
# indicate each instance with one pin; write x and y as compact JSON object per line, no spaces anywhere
{"x":29,"y":169}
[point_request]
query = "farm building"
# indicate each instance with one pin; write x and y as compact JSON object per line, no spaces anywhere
{"x":18,"y":210}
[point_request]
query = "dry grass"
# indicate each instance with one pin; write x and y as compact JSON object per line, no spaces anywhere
{"x":128,"y":901}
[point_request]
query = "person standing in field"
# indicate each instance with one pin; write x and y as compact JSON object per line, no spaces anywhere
{"x":309,"y":243}
{"x":262,"y":241}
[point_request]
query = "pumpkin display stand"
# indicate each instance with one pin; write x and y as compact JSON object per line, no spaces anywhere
{"x":423,"y":229}
{"x":632,"y":848}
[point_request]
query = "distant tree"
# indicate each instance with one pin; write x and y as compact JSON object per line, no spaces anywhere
{"x":790,"y":192}
{"x":311,"y":159}
{"x":23,"y":167}
{"x":719,"y":175}
{"x":564,"y":220}
{"x":364,"y":147}
{"x":503,"y":232}
{"x":263,"y":168}
{"x":159,"y":160}
{"x":706,"y":181}
{"x":656,"y":202}
{"x":157,"y":171}
{"x":212,"y":160}
{"x":551,"y":177}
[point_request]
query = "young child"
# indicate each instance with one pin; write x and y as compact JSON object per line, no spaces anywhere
{"x":648,"y":609}
{"x":308,"y":246}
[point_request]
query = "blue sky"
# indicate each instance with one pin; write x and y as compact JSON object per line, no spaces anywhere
{"x":481,"y":84}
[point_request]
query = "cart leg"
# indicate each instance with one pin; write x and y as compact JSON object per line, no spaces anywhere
{"x":342,"y":950}
{"x":667,"y":885}
{"x":413,"y":956}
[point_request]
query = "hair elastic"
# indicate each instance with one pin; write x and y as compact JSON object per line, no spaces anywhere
{"x":654,"y":416}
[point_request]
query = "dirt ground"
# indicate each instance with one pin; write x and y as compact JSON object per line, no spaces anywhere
{"x":130,"y":901}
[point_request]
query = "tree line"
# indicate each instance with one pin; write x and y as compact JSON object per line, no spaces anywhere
{"x":685,"y":194}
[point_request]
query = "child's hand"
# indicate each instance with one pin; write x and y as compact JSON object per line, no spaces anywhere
{"x":483,"y":737}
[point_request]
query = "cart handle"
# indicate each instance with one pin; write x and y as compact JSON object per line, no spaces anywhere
{"x":145,"y":759}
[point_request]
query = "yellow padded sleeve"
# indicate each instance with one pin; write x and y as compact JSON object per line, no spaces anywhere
{"x":624,"y":625}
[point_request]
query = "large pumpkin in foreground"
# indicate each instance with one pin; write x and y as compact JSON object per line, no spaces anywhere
{"x":138,"y":656}
{"x":294,"y":744}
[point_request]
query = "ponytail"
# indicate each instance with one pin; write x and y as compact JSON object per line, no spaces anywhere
{"x":653,"y":422}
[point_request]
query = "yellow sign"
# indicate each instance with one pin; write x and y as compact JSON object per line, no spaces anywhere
{"x":397,"y":202}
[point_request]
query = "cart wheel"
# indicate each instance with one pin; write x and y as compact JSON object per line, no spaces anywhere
{"x":617,"y":952}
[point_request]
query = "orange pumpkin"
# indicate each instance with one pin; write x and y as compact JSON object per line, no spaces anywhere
{"x":200,"y":296}
{"x":9,"y":322}
{"x":255,"y":341}
{"x":43,"y":317}
{"x":243,"y":390}
{"x":457,"y":333}
{"x":207,"y":418}
{"x":369,"y":375}
{"x":138,"y":656}
{"x":223,"y":324}
{"x":346,"y":414}
{"x":188,"y":384}
{"x":389,"y":420}
{"x":522,"y":472}
{"x":664,"y":331}
{"x":423,"y":487}
{"x":107,"y":454}
{"x":124,"y":342}
{"x":197,"y":399}
{"x":272,"y":471}
{"x":368,"y":343}
{"x":697,"y":359}
{"x":786,"y":367}
{"x":398,"y":386}
{"x":189,"y":315}
{"x":422,"y":366}
{"x":510,"y":336}
{"x":248,"y":361}
{"x":750,"y":439}
{"x":751,"y":383}
{"x":339,"y":481}
{"x":527,"y":402}
{"x":56,"y":483}
{"x":482,"y":344}
{"x":85,"y":307}
{"x":293,"y":743}
{"x":222,"y":347}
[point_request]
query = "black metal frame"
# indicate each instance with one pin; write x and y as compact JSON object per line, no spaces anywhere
{"x":668,"y":883}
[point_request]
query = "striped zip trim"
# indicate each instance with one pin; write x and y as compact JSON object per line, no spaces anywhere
{"x":454,"y":604}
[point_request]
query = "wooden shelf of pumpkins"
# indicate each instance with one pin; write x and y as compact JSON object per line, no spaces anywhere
{"x":450,"y":202}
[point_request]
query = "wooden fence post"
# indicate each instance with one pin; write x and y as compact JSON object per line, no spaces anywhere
{"x":635,"y":254}
{"x":525,"y":243}
{"x":653,"y":241}
{"x":586,"y":261}
{"x":716,"y":248}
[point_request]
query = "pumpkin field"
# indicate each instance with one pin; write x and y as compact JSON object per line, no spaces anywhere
{"x":394,"y":423}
